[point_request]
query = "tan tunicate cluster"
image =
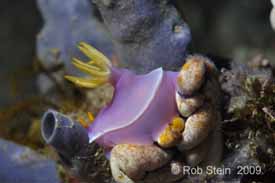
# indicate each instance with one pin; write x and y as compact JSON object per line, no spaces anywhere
{"x":191,"y":76}
{"x":272,"y":15}
{"x":198,"y":100}
{"x":144,"y":158}
{"x":188,"y":106}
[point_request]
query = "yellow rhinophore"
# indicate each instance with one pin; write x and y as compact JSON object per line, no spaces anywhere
{"x":98,"y":68}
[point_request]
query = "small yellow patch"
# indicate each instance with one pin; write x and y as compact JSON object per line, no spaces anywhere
{"x":186,"y":66}
{"x":120,"y":177}
{"x":180,"y":80}
{"x":83,"y":122}
{"x":191,"y":61}
{"x":172,"y":133}
{"x":91,"y":116}
{"x":86,"y":123}
{"x":200,"y":124}
{"x":177,"y":124}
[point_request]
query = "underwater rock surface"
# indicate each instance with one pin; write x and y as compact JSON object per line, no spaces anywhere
{"x":147,"y":34}
{"x":21,"y":164}
{"x":65,"y":25}
{"x":248,"y":125}
{"x":19,"y":23}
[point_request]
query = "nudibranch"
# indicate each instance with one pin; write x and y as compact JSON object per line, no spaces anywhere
{"x":142,"y":106}
{"x":152,"y":112}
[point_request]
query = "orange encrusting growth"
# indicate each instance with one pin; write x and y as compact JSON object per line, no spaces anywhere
{"x":186,"y":66}
{"x":85,"y":123}
{"x":172,"y":133}
{"x":91,"y":116}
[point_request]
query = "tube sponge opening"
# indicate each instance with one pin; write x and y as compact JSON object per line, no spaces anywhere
{"x":48,"y":125}
{"x":66,"y":136}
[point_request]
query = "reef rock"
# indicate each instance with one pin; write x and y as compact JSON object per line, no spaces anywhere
{"x":21,"y":164}
{"x":147,"y":34}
